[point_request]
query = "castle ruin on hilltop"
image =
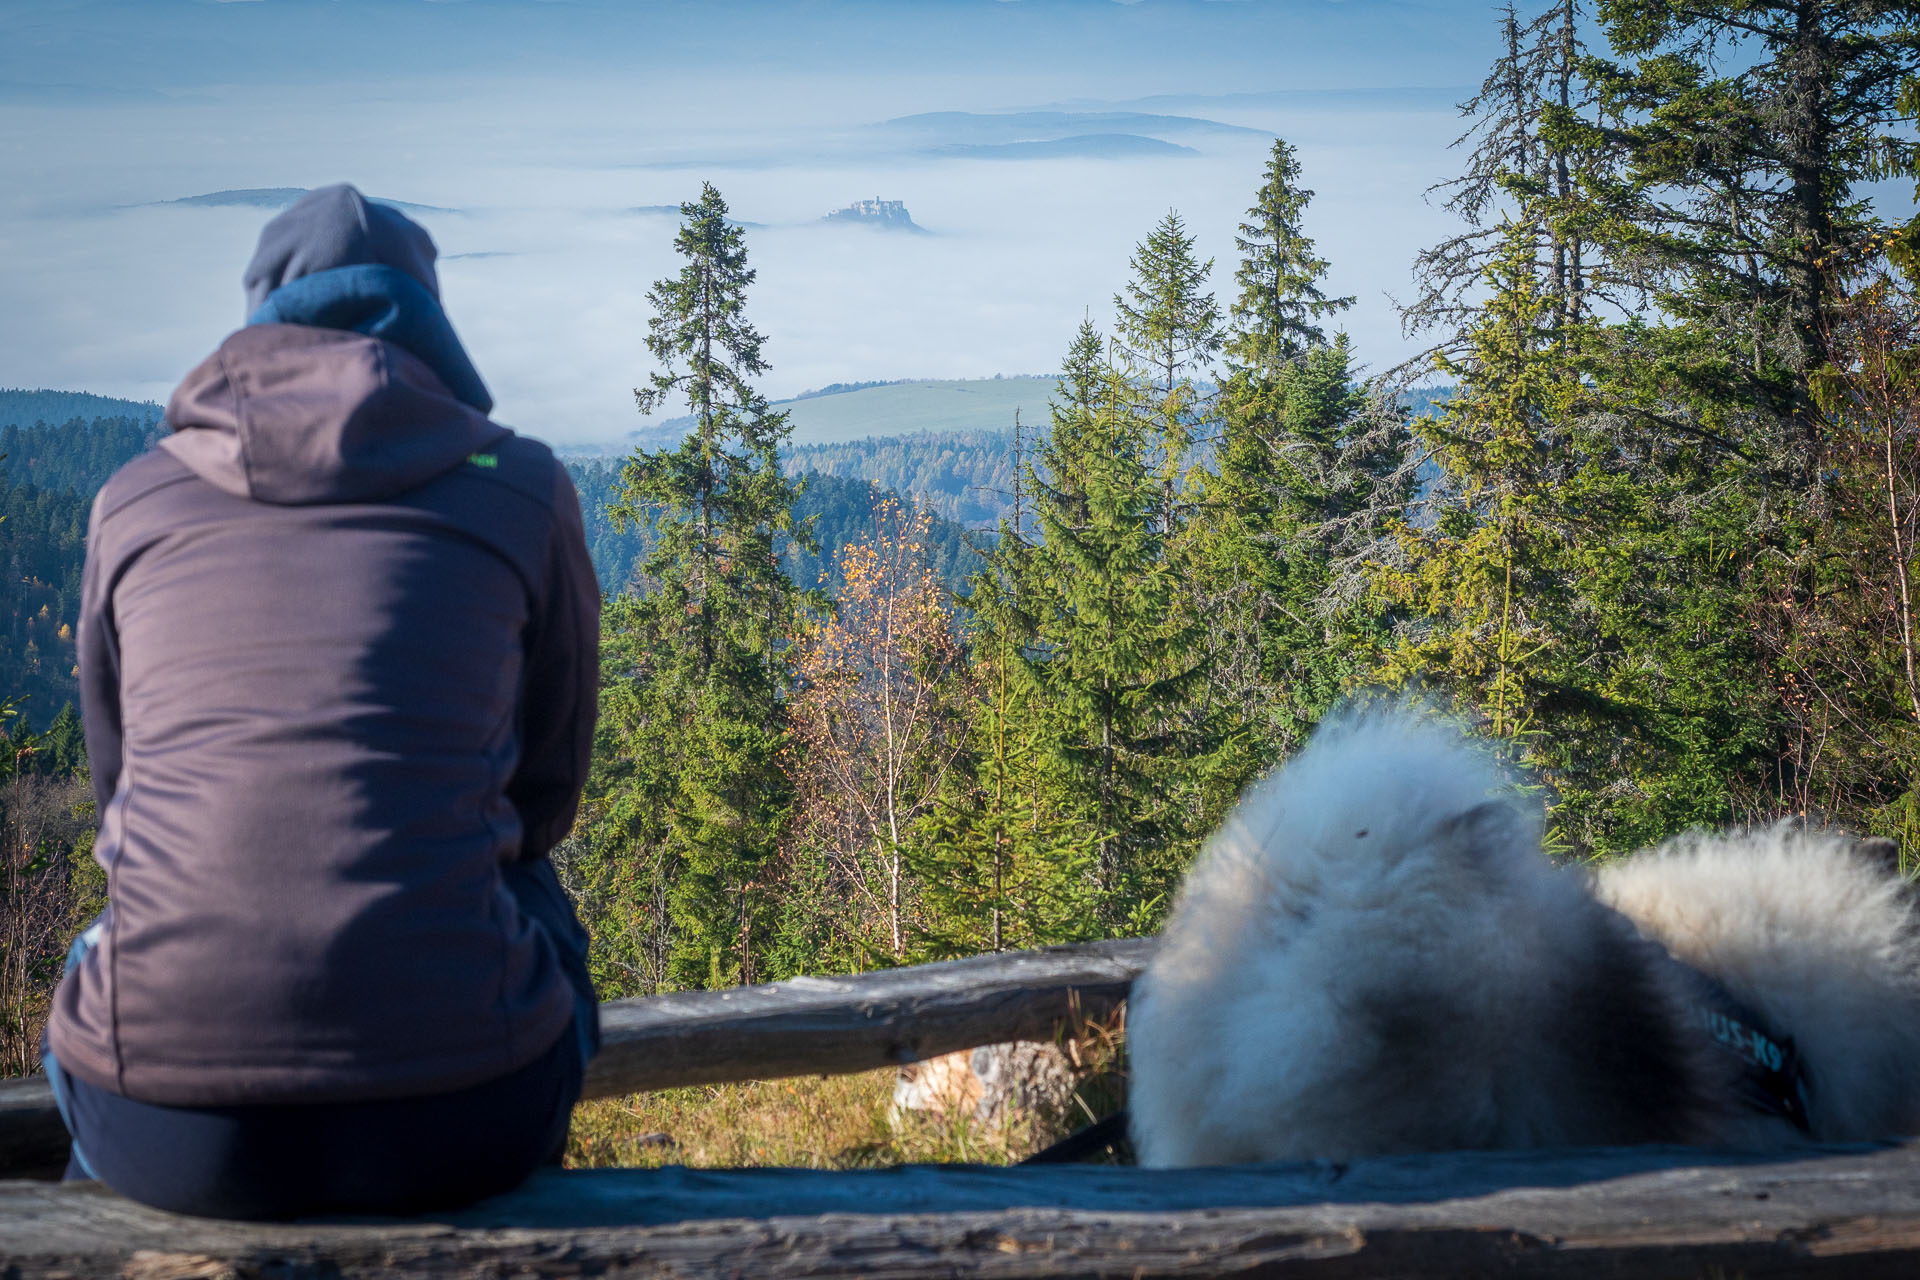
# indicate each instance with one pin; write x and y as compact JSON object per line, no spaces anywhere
{"x":890,"y":214}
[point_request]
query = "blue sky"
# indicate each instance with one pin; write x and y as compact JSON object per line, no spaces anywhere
{"x":536,"y":127}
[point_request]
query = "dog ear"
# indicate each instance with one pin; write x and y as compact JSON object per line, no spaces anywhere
{"x":1881,"y":852}
{"x":1479,"y":834}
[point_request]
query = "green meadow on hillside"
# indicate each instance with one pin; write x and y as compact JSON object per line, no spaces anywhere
{"x":912,"y":408}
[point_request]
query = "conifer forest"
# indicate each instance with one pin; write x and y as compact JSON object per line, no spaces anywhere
{"x":1654,"y":536}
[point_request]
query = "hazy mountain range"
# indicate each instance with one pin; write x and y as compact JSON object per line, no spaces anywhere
{"x":1027,"y":126}
{"x":1046,"y":134}
{"x":281,"y":197}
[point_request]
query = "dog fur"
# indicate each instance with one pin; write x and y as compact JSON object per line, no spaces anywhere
{"x":1372,"y":955}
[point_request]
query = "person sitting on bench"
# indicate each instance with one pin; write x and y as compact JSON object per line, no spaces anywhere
{"x":338,"y":662}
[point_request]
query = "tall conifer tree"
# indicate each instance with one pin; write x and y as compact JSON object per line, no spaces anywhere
{"x":1004,"y":859}
{"x":1284,"y":472}
{"x":1169,"y":332}
{"x":1532,"y":152}
{"x":1119,"y":657}
{"x":1488,"y":574}
{"x":1737,"y":137}
{"x":1276,"y":317}
{"x":693,"y":709}
{"x":1739,"y":134}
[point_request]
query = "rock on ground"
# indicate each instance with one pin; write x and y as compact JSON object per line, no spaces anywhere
{"x":990,"y":1083}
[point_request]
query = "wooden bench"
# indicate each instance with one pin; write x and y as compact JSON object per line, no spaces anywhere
{"x":1624,"y":1213}
{"x":1627,"y":1213}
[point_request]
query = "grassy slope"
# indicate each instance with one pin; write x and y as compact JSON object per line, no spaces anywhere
{"x":895,"y":409}
{"x":911,"y":408}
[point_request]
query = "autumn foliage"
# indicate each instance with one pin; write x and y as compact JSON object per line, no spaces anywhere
{"x":876,"y":723}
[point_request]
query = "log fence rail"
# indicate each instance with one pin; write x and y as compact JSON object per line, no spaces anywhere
{"x":1622,"y":1213}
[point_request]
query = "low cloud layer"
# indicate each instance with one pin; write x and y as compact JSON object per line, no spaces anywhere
{"x":530,"y":184}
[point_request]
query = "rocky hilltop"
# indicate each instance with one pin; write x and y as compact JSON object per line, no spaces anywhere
{"x":888,"y":215}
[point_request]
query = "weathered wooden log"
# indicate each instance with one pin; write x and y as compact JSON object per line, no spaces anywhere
{"x":807,"y":1026}
{"x":831,"y":1026}
{"x":1622,"y":1213}
{"x":33,"y":1142}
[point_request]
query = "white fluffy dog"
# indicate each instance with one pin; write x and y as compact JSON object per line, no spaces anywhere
{"x":1372,"y":955}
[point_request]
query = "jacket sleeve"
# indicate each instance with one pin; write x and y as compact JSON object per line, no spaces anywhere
{"x":560,"y":693}
{"x":99,"y":645}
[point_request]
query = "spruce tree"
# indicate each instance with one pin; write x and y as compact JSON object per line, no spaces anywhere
{"x":1119,"y":658}
{"x":1287,"y":475}
{"x":1739,"y":135}
{"x":1531,"y":154}
{"x":1003,"y":863}
{"x":63,"y":750}
{"x":692,"y":794}
{"x":1168,"y":332}
{"x":1488,"y":574}
{"x":1736,"y":138}
{"x":1276,"y":317}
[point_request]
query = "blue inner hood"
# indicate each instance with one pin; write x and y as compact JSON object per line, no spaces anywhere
{"x":381,"y":302}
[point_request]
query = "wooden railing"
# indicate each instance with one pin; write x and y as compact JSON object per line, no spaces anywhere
{"x":1630,"y":1213}
{"x":806,"y":1026}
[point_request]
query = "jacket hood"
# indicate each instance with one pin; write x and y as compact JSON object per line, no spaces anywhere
{"x":296,"y":415}
{"x":336,"y":227}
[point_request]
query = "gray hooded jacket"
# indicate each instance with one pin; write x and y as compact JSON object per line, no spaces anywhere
{"x":338,"y":656}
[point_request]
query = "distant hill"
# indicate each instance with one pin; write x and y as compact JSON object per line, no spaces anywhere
{"x":962,"y":476}
{"x":281,"y":197}
{"x":948,"y":444}
{"x":58,"y":447}
{"x":1086,"y":146}
{"x":74,"y":456}
{"x":841,"y":388}
{"x":23,"y":408}
{"x":1029,"y":126}
{"x":1428,"y":401}
{"x":907,"y":408}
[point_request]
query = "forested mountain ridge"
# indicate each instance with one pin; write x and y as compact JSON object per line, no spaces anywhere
{"x":965,"y":477}
{"x":857,"y":410}
{"x":50,"y":473}
{"x":22,"y":408}
{"x":838,"y":509}
{"x":42,"y":548}
{"x":78,"y":455}
{"x":48,"y":477}
{"x":968,"y":477}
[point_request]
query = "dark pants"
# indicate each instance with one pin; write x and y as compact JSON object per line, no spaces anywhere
{"x":393,"y":1156}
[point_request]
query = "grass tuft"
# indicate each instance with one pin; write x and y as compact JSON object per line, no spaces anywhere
{"x":814,"y":1122}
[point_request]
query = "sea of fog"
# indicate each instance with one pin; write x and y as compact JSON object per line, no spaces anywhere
{"x":533,"y":185}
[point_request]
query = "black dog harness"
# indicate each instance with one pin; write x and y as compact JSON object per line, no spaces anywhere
{"x":1773,"y":1079}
